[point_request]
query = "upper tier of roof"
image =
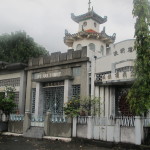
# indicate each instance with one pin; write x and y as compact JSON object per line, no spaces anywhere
{"x":89,"y":15}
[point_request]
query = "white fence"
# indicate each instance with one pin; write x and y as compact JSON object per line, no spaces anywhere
{"x":16,"y":117}
{"x":58,"y":119}
{"x":126,"y":129}
{"x":37,"y":121}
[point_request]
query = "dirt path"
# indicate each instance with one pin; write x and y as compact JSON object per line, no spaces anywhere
{"x":20,"y":143}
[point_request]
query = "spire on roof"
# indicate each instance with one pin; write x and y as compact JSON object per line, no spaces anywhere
{"x":89,"y":9}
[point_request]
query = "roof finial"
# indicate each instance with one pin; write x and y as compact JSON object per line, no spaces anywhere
{"x":89,"y":9}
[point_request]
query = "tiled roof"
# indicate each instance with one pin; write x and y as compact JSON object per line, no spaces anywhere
{"x":89,"y":15}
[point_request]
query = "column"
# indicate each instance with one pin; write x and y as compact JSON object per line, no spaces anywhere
{"x":102,"y":107}
{"x":39,"y":100}
{"x":106,"y":102}
{"x":22,"y":92}
{"x":92,"y":76}
{"x":112,"y":104}
{"x":97,"y":95}
{"x":67,"y":90}
{"x":28,"y":92}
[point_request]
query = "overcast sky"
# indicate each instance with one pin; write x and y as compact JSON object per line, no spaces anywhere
{"x":46,"y":20}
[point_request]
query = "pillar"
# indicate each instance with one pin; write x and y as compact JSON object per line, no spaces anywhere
{"x":39,"y":100}
{"x":138,"y":130}
{"x":74,"y":130}
{"x":28,"y":92}
{"x":22,"y":92}
{"x":67,"y":91}
{"x":90,"y":128}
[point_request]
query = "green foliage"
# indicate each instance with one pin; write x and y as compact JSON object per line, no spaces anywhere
{"x":82,"y":107}
{"x":71,"y":108}
{"x":7,"y":103}
{"x":139,"y":95}
{"x":19,"y":47}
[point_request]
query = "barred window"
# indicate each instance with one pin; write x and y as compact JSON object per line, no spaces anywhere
{"x":16,"y":100}
{"x":76,"y":91}
{"x":10,"y":82}
{"x":33,"y":99}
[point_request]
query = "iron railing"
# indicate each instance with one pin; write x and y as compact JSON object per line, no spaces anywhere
{"x":16,"y":117}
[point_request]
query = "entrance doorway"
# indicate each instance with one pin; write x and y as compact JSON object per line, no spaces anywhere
{"x":53,"y":99}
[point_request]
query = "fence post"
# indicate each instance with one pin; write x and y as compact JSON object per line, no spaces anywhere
{"x":90,"y":127}
{"x":138,"y":130}
{"x":74,"y":131}
{"x":27,"y":121}
{"x":117,"y":131}
{"x":46,"y":122}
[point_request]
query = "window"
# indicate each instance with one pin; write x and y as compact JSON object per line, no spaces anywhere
{"x":33,"y":100}
{"x":76,"y":71}
{"x":84,"y":24}
{"x":79,"y":47}
{"x":102,"y":50}
{"x":95,"y":24}
{"x":92,"y":47}
{"x":76,"y":91}
{"x":122,"y":107}
{"x":108,"y":51}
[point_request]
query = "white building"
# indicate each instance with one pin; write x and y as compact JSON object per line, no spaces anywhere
{"x":111,"y":65}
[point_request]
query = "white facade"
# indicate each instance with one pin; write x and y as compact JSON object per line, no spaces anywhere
{"x":111,"y":65}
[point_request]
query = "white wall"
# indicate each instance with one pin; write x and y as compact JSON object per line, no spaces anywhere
{"x":105,"y":63}
{"x":90,"y":25}
{"x":86,"y":42}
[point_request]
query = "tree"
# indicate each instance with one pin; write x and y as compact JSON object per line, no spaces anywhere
{"x":19,"y":47}
{"x":139,"y":95}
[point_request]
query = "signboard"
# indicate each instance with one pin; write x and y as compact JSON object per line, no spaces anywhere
{"x":44,"y":75}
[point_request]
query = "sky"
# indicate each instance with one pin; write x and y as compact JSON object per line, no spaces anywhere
{"x":46,"y":20}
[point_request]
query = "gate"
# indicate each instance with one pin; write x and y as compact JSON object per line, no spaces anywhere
{"x":54,"y":99}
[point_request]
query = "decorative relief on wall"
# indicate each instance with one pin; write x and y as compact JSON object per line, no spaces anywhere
{"x":122,"y":51}
{"x":10,"y":82}
{"x":115,"y":53}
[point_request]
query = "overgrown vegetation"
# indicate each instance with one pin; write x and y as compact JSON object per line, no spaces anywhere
{"x":82,"y":107}
{"x":19,"y":47}
{"x":7,"y":103}
{"x":139,"y":95}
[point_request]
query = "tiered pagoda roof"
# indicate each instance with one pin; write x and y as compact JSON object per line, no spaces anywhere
{"x":88,"y":34}
{"x":89,"y":15}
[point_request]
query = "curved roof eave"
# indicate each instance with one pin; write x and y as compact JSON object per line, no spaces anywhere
{"x":89,"y":15}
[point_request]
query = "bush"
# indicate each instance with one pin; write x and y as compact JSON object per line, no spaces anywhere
{"x":82,"y":107}
{"x":7,"y":103}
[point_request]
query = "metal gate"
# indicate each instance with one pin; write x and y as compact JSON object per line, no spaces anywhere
{"x":54,"y":99}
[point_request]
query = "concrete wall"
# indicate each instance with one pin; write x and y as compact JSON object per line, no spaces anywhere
{"x":82,"y":131}
{"x":60,"y":130}
{"x":3,"y":126}
{"x":15,"y":127}
{"x":128,"y":134}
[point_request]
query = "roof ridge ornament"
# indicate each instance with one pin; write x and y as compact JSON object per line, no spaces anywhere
{"x":89,"y":9}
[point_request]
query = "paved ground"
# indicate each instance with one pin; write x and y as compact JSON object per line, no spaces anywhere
{"x":20,"y":143}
